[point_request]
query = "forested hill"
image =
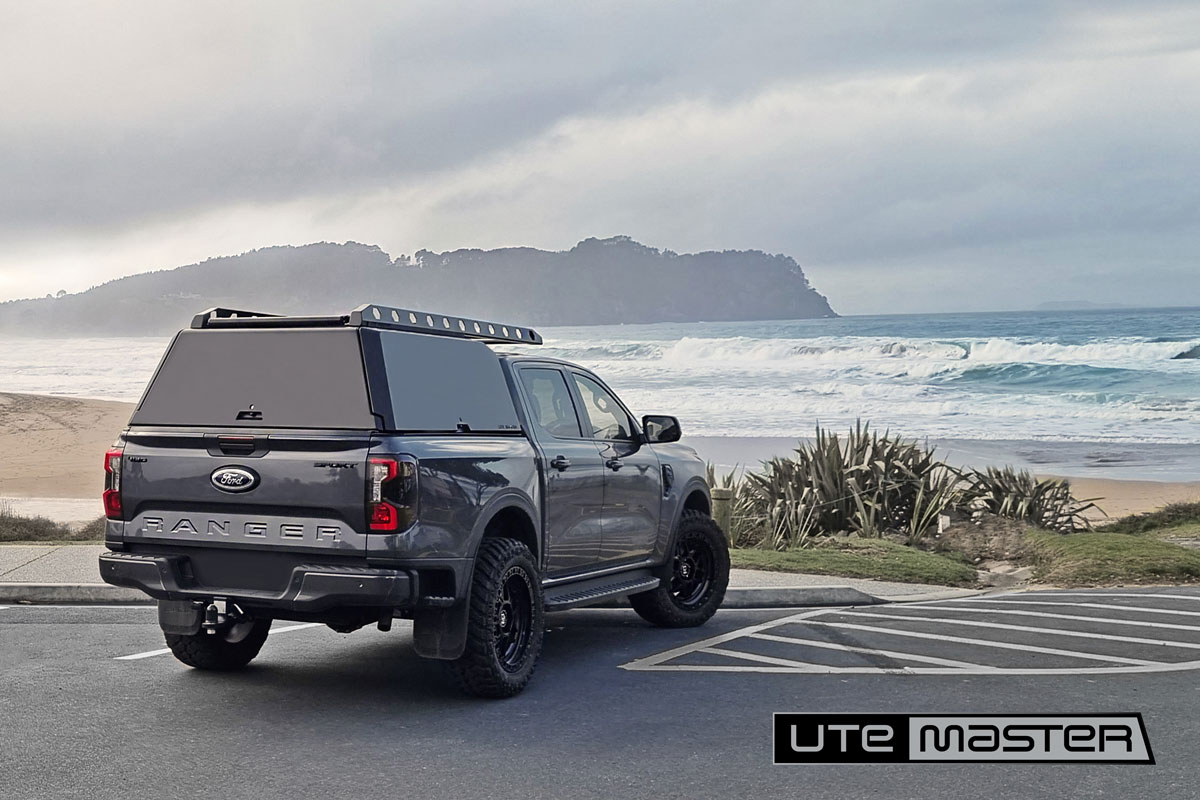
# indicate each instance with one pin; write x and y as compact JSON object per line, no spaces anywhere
{"x":598,"y":281}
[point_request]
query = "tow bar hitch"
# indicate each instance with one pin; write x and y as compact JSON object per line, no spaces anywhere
{"x":219,"y":612}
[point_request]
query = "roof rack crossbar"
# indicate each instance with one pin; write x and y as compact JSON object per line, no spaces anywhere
{"x":405,"y":319}
{"x":278,"y":322}
{"x":210,"y":315}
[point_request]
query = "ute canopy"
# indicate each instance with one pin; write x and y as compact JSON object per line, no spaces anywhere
{"x":285,"y":378}
{"x":328,"y":378}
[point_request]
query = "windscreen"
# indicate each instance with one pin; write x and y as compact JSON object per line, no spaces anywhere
{"x":288,"y":378}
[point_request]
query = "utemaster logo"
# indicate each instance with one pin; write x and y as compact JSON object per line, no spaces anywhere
{"x":802,"y":738}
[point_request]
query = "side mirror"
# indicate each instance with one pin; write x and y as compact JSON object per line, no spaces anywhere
{"x":660,"y":428}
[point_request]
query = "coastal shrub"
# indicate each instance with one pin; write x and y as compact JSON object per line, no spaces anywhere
{"x":1018,"y":494}
{"x":870,"y":485}
{"x":17,"y":528}
{"x":92,"y":530}
{"x":864,"y":483}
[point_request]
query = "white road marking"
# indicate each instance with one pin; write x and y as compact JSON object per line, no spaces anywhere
{"x":1103,"y":606}
{"x":3,"y":607}
{"x":818,"y":669}
{"x":152,"y":653}
{"x":1031,"y":629}
{"x":725,"y":644}
{"x":805,"y":666}
{"x":1075,"y":617}
{"x":147,"y":654}
{"x":778,"y":662}
{"x":299,"y":627}
{"x":939,"y":637}
{"x":1040,"y":593}
{"x":667,"y":655}
{"x":869,"y":651}
{"x":104,"y":607}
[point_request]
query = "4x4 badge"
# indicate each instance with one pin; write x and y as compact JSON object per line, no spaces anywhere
{"x":234,"y":479}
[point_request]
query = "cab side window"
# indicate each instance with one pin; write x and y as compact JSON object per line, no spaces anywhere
{"x":608,"y":420}
{"x":550,"y":406}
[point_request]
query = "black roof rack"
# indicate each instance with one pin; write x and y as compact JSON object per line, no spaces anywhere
{"x":372,"y":315}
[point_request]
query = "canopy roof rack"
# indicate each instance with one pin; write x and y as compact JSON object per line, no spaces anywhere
{"x":372,"y":315}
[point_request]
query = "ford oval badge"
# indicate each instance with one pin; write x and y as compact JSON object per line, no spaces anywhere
{"x":234,"y":479}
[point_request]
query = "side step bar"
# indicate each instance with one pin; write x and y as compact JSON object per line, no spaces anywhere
{"x":597,"y":590}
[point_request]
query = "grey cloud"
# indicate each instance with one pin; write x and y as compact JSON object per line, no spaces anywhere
{"x":339,"y":100}
{"x":125,"y":115}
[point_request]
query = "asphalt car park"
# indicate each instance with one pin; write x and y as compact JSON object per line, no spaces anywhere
{"x":92,"y":708}
{"x":1042,"y":633}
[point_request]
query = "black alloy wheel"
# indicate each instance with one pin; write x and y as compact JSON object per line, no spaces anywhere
{"x":692,"y":583}
{"x":505,"y":625}
{"x":514,"y":619}
{"x":692,"y":576}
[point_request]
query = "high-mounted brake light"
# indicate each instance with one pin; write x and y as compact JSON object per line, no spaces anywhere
{"x":391,"y":493}
{"x":112,"y":482}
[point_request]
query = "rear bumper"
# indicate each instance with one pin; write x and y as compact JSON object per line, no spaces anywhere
{"x":312,"y":587}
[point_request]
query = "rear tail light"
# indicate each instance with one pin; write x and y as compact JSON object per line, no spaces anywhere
{"x":391,"y":493}
{"x":112,"y":483}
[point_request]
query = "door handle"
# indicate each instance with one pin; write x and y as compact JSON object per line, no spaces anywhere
{"x":560,"y":463}
{"x":614,"y":464}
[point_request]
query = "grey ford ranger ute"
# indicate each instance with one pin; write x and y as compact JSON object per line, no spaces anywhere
{"x":388,"y":464}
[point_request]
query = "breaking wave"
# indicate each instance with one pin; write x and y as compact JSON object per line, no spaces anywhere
{"x":972,"y":377}
{"x":1117,"y":353}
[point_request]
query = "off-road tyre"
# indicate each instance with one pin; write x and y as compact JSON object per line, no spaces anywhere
{"x":232,"y":648}
{"x":505,"y":622}
{"x":693,"y":580}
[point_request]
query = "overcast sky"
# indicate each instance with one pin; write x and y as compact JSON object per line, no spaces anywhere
{"x":910,"y":156}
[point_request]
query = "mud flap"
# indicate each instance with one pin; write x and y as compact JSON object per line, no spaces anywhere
{"x":180,"y":617}
{"x":441,"y":632}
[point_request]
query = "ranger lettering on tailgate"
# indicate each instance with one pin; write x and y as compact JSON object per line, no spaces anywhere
{"x":250,"y":529}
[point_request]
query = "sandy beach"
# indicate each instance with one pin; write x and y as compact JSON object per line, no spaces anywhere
{"x":54,"y":446}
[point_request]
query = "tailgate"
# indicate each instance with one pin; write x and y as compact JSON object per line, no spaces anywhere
{"x":297,"y":490}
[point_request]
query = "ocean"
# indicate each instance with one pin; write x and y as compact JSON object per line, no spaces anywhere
{"x":1059,"y":381}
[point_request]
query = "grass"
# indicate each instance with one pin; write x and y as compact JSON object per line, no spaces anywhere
{"x":1166,"y":519}
{"x":864,"y":558}
{"x":1104,"y":558}
{"x":1139,"y":549}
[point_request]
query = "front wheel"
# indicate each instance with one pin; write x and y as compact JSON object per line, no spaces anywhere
{"x":505,"y":624}
{"x":698,"y":577}
{"x":232,"y":647}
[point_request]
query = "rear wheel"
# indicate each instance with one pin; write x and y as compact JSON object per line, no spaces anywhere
{"x":505,"y":624}
{"x":698,"y":577}
{"x":232,"y":647}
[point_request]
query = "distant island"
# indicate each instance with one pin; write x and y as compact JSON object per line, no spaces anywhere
{"x":598,"y":281}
